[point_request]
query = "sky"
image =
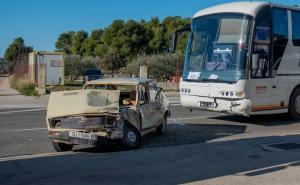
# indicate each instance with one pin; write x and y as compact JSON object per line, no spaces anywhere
{"x":40,"y":22}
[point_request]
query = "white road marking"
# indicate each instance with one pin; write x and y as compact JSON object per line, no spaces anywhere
{"x":284,"y":165}
{"x":20,"y":157}
{"x":19,"y":111}
{"x":22,"y":106}
{"x":25,"y":129}
{"x":175,"y":104}
{"x":198,"y":117}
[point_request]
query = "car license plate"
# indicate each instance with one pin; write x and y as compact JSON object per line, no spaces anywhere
{"x":82,"y":135}
{"x":206,"y":104}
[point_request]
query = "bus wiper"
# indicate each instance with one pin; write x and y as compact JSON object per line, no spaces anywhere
{"x":216,"y":67}
{"x":216,"y":80}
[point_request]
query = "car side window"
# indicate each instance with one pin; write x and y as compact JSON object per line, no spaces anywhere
{"x":143,"y":95}
{"x":155,"y":94}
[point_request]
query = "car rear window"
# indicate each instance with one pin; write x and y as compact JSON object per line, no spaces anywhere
{"x":122,"y":88}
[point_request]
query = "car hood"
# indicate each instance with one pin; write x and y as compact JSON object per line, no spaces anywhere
{"x":77,"y":102}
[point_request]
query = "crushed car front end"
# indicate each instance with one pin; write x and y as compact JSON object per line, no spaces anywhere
{"x":84,"y":117}
{"x":86,"y":129}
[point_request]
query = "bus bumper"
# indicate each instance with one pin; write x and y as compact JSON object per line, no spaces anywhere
{"x":240,"y":107}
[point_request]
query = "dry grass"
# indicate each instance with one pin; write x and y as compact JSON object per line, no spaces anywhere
{"x":23,"y":85}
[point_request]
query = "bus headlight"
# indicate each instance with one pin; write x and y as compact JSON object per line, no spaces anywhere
{"x":240,"y":94}
{"x":232,"y":94}
{"x":184,"y":90}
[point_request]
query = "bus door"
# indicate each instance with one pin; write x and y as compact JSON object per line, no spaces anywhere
{"x":264,"y":86}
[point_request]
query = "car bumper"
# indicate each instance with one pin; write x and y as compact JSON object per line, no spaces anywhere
{"x":240,"y":106}
{"x":101,"y":137}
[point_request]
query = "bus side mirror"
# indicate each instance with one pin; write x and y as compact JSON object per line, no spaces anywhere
{"x":254,"y":65}
{"x":175,"y":38}
{"x":174,"y":42}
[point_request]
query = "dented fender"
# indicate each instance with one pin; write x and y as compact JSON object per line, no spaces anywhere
{"x":132,"y":117}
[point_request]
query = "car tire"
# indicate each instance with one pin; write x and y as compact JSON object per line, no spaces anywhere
{"x":162,"y":128}
{"x":294,"y":105}
{"x":62,"y":147}
{"x":131,"y":138}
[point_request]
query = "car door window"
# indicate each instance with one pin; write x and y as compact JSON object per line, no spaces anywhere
{"x":143,"y":97}
{"x":155,"y":94}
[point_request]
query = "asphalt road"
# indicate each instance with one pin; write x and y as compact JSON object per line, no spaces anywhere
{"x":24,"y":132}
{"x":199,"y":147}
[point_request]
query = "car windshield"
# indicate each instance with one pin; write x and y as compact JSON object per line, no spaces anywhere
{"x":122,"y":88}
{"x":217,"y":48}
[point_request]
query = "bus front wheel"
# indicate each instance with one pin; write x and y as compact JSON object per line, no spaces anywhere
{"x":294,"y":105}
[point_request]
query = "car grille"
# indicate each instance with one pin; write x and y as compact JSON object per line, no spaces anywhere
{"x":86,"y":123}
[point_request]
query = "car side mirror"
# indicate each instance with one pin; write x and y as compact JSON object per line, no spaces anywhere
{"x":254,"y":65}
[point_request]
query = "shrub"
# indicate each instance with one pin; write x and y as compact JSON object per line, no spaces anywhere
{"x":161,"y":66}
{"x":4,"y":66}
{"x":75,"y":65}
{"x":23,"y":85}
{"x":112,"y":61}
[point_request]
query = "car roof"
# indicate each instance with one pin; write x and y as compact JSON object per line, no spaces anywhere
{"x":131,"y":81}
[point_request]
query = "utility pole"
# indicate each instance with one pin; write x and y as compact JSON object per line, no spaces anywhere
{"x":177,"y":72}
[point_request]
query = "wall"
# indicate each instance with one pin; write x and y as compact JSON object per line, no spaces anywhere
{"x":169,"y":86}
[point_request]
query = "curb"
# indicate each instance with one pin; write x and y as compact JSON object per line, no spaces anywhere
{"x":10,"y":94}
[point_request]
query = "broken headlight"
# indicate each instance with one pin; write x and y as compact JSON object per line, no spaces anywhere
{"x":110,"y":122}
{"x":54,"y":123}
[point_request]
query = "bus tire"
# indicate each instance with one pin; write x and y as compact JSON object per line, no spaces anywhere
{"x":294,"y":105}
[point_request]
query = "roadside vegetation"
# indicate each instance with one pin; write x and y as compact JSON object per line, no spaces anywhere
{"x":4,"y":67}
{"x":118,"y":50}
{"x":66,"y":87}
{"x":124,"y":46}
{"x":161,"y":66}
{"x":127,"y":38}
{"x":75,"y":66}
{"x":23,"y":85}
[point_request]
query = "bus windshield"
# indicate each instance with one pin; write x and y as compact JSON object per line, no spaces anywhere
{"x":217,"y":48}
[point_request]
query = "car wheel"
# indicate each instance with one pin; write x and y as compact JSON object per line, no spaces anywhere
{"x":162,"y":128}
{"x":131,"y":138}
{"x":61,"y":147}
{"x":294,"y":105}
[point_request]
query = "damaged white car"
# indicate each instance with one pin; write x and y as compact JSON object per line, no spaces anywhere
{"x":114,"y":109}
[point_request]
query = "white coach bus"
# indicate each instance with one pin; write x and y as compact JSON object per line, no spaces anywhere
{"x":243,"y":58}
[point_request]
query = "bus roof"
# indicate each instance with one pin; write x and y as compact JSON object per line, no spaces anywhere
{"x":245,"y":7}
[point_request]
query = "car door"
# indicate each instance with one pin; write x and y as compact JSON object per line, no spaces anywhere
{"x":156,"y":98}
{"x":147,"y":108}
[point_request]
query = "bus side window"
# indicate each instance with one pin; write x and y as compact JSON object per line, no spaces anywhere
{"x":280,"y":36}
{"x":262,"y":44}
{"x":296,"y":27}
{"x":263,"y":61}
